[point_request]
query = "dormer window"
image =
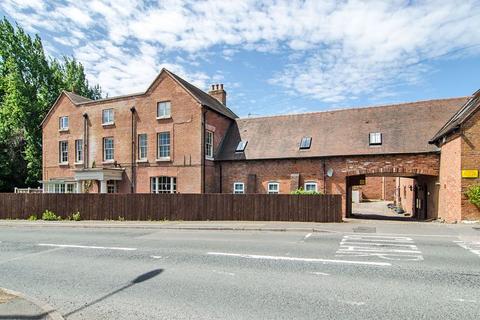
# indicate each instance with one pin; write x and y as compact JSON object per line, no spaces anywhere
{"x":241,"y":146}
{"x":305,"y":143}
{"x":63,"y":123}
{"x":164,"y":110}
{"x":375,"y":138}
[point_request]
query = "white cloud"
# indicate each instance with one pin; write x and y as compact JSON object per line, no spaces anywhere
{"x":335,"y":50}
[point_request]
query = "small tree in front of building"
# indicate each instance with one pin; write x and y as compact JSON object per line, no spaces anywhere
{"x":473,"y":194}
{"x":303,"y":191}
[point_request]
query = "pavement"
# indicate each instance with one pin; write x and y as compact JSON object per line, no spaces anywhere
{"x":15,"y":305}
{"x":376,"y":208}
{"x":245,"y":270}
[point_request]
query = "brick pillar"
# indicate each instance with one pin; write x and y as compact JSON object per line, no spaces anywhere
{"x":294,"y":181}
{"x":252,"y":183}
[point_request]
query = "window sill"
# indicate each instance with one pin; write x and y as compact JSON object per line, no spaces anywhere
{"x":63,"y":130}
{"x":78,"y":163}
{"x":63,"y":164}
{"x":164,"y":159}
{"x":209,"y":158}
{"x":142,"y":161}
{"x":108,"y":161}
{"x":108,"y":124}
{"x":164,"y":117}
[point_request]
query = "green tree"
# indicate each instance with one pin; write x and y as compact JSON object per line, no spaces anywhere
{"x":30,"y":82}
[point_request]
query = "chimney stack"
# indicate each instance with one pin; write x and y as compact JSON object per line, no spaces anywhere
{"x":218,"y":93}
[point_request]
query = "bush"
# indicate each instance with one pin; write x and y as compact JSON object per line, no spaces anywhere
{"x":33,"y":217}
{"x":76,"y":216}
{"x":50,"y":216}
{"x":120,"y":218}
{"x":473,"y":195}
{"x":301,"y":191}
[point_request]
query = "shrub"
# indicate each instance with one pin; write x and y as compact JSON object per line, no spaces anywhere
{"x":50,"y":216}
{"x":33,"y":217}
{"x":120,"y":218}
{"x":301,"y":191}
{"x":76,"y":216}
{"x":473,"y":195}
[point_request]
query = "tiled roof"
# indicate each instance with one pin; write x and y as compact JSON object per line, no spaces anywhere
{"x":459,"y":117}
{"x":77,"y":99}
{"x":405,"y":128}
{"x":204,"y":98}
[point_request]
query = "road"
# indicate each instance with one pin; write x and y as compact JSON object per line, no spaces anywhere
{"x":413,"y":272}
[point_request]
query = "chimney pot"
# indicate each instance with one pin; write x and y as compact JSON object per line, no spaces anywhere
{"x":219,"y":93}
{"x":221,"y":86}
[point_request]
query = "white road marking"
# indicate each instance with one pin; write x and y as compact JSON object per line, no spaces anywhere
{"x":353,"y":303}
{"x":262,"y":257}
{"x":465,"y":300}
{"x":225,"y":273}
{"x":383,"y":247}
{"x":307,"y":236}
{"x":320,"y":273}
{"x":84,"y":247}
{"x":30,"y":255}
{"x":156,"y":257}
{"x":472,"y":246}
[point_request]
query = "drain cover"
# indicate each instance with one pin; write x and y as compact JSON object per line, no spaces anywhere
{"x":365,"y":229}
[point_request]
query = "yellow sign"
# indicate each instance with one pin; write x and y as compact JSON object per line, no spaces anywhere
{"x":469,"y":173}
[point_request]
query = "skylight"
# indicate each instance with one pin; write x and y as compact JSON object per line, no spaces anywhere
{"x":306,"y":143}
{"x":241,"y":146}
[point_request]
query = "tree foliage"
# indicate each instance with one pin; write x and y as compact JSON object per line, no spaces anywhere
{"x":30,"y":82}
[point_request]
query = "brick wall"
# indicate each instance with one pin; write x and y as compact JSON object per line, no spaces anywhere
{"x":470,"y":145}
{"x":449,"y":206}
{"x":378,"y":188}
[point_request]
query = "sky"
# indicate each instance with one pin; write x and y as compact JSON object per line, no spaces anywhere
{"x":273,"y":57}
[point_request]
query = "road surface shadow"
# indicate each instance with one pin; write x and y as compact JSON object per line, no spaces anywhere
{"x":141,"y":278}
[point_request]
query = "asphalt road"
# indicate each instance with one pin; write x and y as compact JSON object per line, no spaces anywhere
{"x":186,"y":274}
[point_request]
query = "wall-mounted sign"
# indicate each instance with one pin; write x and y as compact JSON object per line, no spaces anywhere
{"x":470,"y":174}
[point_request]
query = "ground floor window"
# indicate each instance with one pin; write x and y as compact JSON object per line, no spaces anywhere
{"x":311,"y":186}
{"x":111,"y":186}
{"x":163,"y":184}
{"x":60,"y":187}
{"x":273,"y":188}
{"x":238,"y":188}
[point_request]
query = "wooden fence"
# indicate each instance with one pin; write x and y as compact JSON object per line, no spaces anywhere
{"x":247,"y":207}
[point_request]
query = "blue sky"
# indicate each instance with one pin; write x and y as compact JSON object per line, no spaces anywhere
{"x":273,"y":56}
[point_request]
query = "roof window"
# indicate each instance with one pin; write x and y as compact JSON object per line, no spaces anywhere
{"x":241,"y":146}
{"x":375,"y":138}
{"x":305,"y":143}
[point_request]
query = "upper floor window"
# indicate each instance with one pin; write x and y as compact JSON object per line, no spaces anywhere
{"x":108,"y":149}
{"x":163,"y":145}
{"x":163,"y":184}
{"x":305,"y":143}
{"x":241,"y":146}
{"x":311,"y":186}
{"x":63,"y":151}
{"x":375,"y":138}
{"x":63,"y":123}
{"x":107,"y":116}
{"x":79,"y":150}
{"x":273,"y":188}
{"x":238,"y":188}
{"x":209,"y":144}
{"x":142,"y":146}
{"x":163,"y":110}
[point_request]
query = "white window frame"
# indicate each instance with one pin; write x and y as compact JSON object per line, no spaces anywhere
{"x":108,"y":117}
{"x":79,"y":151}
{"x":163,"y":154}
{"x":307,"y":145}
{"x":163,"y":184}
{"x":271,"y":184}
{"x":240,"y":190}
{"x":60,"y":187}
{"x":209,"y":138}
{"x":63,"y":123}
{"x":164,"y":110}
{"x":111,"y":186}
{"x":241,"y":146}
{"x":375,"y":138}
{"x":112,"y":148}
{"x":63,"y":152}
{"x":142,"y":147}
{"x":310,"y":183}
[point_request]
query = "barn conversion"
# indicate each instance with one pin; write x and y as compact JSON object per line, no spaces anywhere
{"x":175,"y":137}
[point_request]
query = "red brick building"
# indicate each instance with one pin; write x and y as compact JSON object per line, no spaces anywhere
{"x":176,"y":138}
